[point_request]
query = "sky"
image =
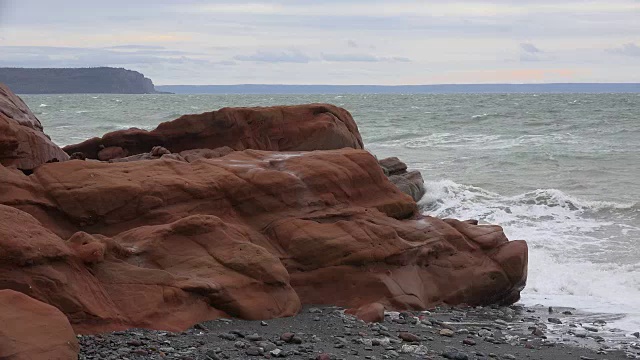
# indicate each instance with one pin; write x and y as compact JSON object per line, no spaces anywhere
{"x":330,"y":41}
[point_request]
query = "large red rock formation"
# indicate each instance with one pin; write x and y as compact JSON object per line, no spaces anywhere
{"x":211,"y":229}
{"x":279,"y":128}
{"x":33,"y":330}
{"x":23,"y":144}
{"x":253,"y":234}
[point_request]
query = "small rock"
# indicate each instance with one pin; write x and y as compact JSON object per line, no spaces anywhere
{"x":275,"y":352}
{"x":567,"y":312}
{"x":323,"y":356}
{"x":228,"y":336}
{"x":554,"y":320}
{"x":586,"y":358}
{"x":509,"y":357}
{"x":446,"y":332}
{"x":254,"y":337}
{"x":580,"y":333}
{"x":255,"y":351}
{"x":538,"y":332}
{"x":266,"y":345}
{"x":409,"y":337}
{"x":469,"y":342}
{"x":590,"y":328}
{"x":264,"y":323}
{"x":636,"y":334}
{"x":212,"y":355}
{"x":315,"y":311}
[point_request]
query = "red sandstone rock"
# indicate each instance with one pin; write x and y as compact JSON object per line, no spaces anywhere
{"x":33,"y":330}
{"x":369,"y":313}
{"x":253,"y":234}
{"x":280,"y":128}
{"x":23,"y":144}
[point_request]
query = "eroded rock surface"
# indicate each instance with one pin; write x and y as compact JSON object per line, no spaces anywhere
{"x":166,"y":243}
{"x":278,"y":128}
{"x":23,"y":144}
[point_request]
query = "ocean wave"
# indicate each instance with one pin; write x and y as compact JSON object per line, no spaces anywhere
{"x":580,"y":251}
{"x":484,"y":116}
{"x":477,"y":141}
{"x":43,"y":105}
{"x":446,"y":196}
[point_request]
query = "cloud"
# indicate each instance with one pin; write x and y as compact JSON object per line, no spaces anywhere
{"x":529,"y":48}
{"x":286,"y":56}
{"x":51,"y":56}
{"x":136,"y":47}
{"x":352,"y":44}
{"x":531,"y":53}
{"x":430,"y":8}
{"x":629,"y":49}
{"x":361,"y":58}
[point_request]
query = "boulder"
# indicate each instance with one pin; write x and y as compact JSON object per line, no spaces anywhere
{"x":278,"y":128}
{"x":23,"y":144}
{"x":369,"y":313}
{"x":166,"y":243}
{"x":409,"y":182}
{"x":33,"y":330}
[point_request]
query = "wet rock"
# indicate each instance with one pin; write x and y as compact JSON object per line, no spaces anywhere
{"x":590,"y":328}
{"x":554,"y":320}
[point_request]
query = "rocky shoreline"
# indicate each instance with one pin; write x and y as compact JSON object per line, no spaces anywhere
{"x":513,"y":332}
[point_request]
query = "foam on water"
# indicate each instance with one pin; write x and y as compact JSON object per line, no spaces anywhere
{"x":570,"y":264}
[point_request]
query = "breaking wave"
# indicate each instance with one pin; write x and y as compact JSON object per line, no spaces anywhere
{"x":580,"y":252}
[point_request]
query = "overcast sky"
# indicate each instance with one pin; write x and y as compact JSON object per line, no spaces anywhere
{"x":330,"y":41}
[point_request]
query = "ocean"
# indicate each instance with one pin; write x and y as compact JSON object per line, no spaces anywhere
{"x":561,"y":171}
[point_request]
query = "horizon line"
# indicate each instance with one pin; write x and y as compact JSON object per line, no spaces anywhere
{"x":438,"y":84}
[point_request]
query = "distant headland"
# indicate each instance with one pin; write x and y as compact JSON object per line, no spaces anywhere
{"x":99,"y":80}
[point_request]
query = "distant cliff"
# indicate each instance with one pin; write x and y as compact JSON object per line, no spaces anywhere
{"x":101,"y":80}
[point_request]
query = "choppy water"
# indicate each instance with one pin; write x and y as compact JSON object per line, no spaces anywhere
{"x":561,"y":171}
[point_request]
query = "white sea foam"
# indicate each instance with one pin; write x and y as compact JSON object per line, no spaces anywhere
{"x":43,"y":105}
{"x":571,"y":262}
